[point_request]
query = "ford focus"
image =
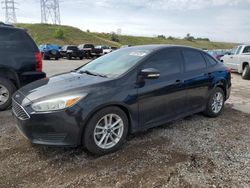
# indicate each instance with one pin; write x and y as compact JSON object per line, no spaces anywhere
{"x":129,"y":90}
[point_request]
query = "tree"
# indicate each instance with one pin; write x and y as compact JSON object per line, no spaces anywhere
{"x":189,"y":37}
{"x":171,"y":38}
{"x":59,"y":34}
{"x":114,"y":37}
{"x":161,"y":37}
{"x":203,"y":39}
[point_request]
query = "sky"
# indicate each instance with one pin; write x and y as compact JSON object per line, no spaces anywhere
{"x":218,"y":20}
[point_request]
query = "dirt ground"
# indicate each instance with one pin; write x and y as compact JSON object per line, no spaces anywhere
{"x":192,"y":152}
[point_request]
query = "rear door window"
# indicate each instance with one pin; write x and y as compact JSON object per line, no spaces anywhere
{"x":193,"y":60}
{"x":16,"y":40}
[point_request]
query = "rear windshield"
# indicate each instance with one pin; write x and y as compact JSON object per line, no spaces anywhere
{"x":16,"y":40}
{"x":88,"y":46}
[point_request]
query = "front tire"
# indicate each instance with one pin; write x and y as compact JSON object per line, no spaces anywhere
{"x":106,"y":131}
{"x":246,"y":73}
{"x":215,"y":103}
{"x":7,"y":88}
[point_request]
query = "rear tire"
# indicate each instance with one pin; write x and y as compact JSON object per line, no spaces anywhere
{"x":215,"y":103}
{"x":246,"y":73}
{"x":69,"y":57}
{"x":104,"y":136}
{"x":7,"y":88}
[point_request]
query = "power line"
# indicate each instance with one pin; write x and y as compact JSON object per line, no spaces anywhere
{"x":50,"y":11}
{"x":10,"y":11}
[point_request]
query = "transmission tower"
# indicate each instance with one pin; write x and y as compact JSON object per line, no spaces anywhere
{"x":50,"y":11}
{"x":10,"y":11}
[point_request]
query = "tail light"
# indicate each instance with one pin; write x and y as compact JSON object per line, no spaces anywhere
{"x":229,"y":70}
{"x":39,"y":61}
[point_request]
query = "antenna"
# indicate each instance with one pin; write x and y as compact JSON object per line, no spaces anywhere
{"x":10,"y":11}
{"x":50,"y":11}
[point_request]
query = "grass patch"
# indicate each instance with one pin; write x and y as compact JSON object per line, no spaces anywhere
{"x":59,"y":34}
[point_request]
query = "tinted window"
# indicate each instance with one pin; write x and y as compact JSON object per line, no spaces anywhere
{"x":211,"y":61}
{"x":15,"y":40}
{"x":247,"y":49}
{"x":88,"y":46}
{"x":166,"y":61}
{"x":72,"y":48}
{"x":193,"y":60}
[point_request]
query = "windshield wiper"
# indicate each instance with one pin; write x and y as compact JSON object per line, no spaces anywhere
{"x":93,"y":73}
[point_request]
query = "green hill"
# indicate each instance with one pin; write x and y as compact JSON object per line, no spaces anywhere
{"x":54,"y":34}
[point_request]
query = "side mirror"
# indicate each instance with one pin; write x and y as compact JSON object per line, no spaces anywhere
{"x":150,"y":73}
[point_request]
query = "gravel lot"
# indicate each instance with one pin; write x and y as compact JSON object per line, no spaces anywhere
{"x":193,"y":152}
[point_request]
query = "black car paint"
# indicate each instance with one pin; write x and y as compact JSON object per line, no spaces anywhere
{"x":19,"y":66}
{"x":147,"y":103}
{"x":67,"y":51}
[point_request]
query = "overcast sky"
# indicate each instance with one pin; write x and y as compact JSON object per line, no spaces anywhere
{"x":219,"y":20}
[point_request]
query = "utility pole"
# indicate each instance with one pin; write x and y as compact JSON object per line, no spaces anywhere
{"x":10,"y":11}
{"x":50,"y":11}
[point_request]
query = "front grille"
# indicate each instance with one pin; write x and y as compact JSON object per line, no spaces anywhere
{"x":19,"y":111}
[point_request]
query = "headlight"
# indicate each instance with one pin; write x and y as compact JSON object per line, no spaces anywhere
{"x":56,"y":104}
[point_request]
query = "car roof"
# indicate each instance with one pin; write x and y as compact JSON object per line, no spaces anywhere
{"x":155,"y":47}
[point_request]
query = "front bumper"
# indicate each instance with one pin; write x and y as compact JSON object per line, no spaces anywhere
{"x":55,"y":129}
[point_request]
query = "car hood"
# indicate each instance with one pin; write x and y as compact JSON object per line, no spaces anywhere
{"x":60,"y":85}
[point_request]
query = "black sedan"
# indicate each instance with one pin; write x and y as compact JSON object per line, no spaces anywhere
{"x":129,"y":90}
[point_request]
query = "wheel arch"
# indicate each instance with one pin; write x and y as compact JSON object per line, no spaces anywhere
{"x":10,"y":75}
{"x":222,"y":84}
{"x":244,"y":64}
{"x":122,"y":106}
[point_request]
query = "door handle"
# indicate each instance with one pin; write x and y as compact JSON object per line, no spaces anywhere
{"x":209,"y":74}
{"x":178,"y":82}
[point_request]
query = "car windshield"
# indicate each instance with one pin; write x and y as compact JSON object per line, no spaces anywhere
{"x":233,"y":51}
{"x":116,"y":63}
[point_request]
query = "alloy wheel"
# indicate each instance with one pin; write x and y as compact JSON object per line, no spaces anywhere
{"x":217,"y":104}
{"x":108,"y":131}
{"x":4,"y":94}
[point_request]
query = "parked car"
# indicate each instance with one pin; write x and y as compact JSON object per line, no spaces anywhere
{"x":20,"y":62}
{"x":114,"y":48}
{"x":105,"y":49}
{"x":70,"y":51}
{"x":90,"y":51}
{"x":217,"y":54}
{"x":50,"y":51}
{"x":100,"y":103}
{"x":126,"y":46}
{"x":239,"y":60}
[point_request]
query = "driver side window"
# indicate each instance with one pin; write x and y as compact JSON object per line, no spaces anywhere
{"x":167,"y":62}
